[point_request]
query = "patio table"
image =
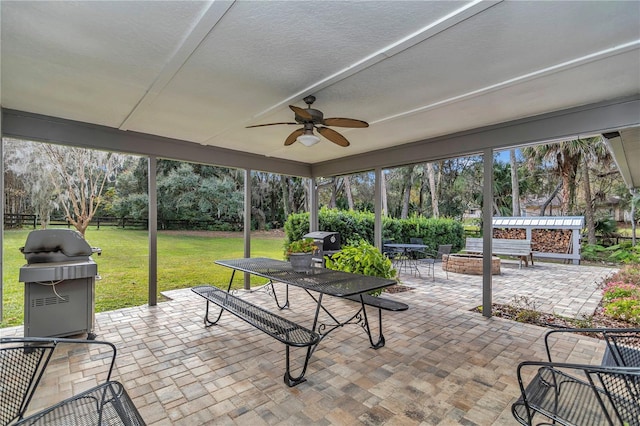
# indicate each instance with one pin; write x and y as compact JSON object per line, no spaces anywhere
{"x":406,"y":261}
{"x":318,"y":282}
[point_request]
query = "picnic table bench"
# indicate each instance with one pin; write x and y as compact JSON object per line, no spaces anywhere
{"x":502,"y":246}
{"x":316,"y":282}
{"x":282,"y":329}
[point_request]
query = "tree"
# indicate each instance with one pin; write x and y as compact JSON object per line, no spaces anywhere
{"x":63,"y":177}
{"x":79,"y":177}
{"x":433,"y":189}
{"x":564,"y":158}
{"x":25,"y":160}
{"x":515,"y":184}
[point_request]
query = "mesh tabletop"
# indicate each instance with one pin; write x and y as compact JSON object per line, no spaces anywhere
{"x":322,"y":280}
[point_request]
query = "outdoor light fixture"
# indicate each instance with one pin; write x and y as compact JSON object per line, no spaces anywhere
{"x":308,"y":139}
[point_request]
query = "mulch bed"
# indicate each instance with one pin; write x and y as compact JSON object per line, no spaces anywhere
{"x":598,"y":320}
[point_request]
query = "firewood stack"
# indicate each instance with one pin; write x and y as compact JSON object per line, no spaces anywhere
{"x":542,"y":240}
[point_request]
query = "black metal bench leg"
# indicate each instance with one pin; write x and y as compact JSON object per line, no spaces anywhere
{"x":207,"y":321}
{"x":367,"y":328}
{"x":275,"y":296}
{"x":294,"y":381}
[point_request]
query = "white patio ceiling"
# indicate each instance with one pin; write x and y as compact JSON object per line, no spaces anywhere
{"x":417,"y":71}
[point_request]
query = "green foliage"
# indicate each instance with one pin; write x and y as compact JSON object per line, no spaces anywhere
{"x":362,"y":258}
{"x":621,"y":295}
{"x":605,"y":226}
{"x":306,"y":245}
{"x":296,"y":226}
{"x":354,"y":226}
{"x":619,"y":253}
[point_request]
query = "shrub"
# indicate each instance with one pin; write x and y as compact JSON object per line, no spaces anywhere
{"x":355,"y":226}
{"x":362,"y":258}
{"x":306,"y":245}
{"x":621,"y":295}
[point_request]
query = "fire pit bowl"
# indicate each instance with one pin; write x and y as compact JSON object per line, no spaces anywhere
{"x":468,"y":264}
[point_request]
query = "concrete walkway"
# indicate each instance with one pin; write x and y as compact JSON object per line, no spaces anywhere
{"x":442,"y":364}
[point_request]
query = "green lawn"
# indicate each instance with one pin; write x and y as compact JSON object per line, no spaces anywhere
{"x":183,"y":261}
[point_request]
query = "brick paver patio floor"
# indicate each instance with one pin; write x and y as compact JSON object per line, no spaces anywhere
{"x":442,"y":364}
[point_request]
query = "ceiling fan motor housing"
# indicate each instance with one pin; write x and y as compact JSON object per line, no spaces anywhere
{"x":316,"y":117}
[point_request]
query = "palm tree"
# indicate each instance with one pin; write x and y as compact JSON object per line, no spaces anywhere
{"x":564,"y":160}
{"x":594,"y":152}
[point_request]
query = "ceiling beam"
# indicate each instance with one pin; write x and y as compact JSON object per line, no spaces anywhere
{"x":561,"y":125}
{"x":567,"y":124}
{"x":24,"y":125}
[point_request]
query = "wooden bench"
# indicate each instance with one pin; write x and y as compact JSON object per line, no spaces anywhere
{"x":506,"y":247}
{"x":281,"y":329}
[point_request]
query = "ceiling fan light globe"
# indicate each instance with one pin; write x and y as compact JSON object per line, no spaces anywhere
{"x":308,"y":140}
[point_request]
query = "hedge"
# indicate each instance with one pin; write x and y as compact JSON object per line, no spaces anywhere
{"x":353,"y":226}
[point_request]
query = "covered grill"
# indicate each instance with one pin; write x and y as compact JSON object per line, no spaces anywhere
{"x":59,"y":292}
{"x":329,"y":243}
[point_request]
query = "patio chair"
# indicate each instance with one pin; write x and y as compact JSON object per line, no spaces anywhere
{"x":438,"y":258}
{"x":418,"y":253}
{"x":579,"y":394}
{"x":391,"y":253}
{"x":23,"y":364}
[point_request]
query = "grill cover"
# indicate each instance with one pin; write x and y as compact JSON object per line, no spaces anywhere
{"x":55,"y":245}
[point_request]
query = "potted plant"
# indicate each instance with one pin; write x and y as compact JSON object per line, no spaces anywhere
{"x":300,"y":254}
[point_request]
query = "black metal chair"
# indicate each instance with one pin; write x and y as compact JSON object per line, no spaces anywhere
{"x":390,"y":252}
{"x":438,"y":258}
{"x":577,"y":394}
{"x":23,"y":363}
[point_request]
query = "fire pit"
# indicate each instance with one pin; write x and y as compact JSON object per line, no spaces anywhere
{"x":468,"y":264}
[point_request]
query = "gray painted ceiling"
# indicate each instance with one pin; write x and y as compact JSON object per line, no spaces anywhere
{"x":415,"y":70}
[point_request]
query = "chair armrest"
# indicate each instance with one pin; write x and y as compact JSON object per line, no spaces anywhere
{"x":622,"y":344}
{"x":106,"y":404}
{"x":574,"y":393}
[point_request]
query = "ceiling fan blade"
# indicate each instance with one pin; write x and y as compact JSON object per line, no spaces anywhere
{"x":270,"y":124}
{"x":301,"y":112}
{"x":345,"y":122}
{"x":333,"y":136}
{"x":293,"y":136}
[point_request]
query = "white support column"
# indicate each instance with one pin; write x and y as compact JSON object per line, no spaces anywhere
{"x":247,"y":224}
{"x":487,"y":231}
{"x":153,"y":231}
{"x":377,"y":226}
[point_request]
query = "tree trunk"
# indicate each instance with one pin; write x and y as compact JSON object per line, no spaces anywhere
{"x":334,"y":190}
{"x":588,"y":205}
{"x":406,"y":192}
{"x":515,"y":185}
{"x":433,"y":188}
{"x":550,"y":199}
{"x":347,"y":191}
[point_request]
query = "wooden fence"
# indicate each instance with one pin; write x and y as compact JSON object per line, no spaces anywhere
{"x":17,"y":221}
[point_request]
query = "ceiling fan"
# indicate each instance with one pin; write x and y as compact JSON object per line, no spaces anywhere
{"x":312,"y":118}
